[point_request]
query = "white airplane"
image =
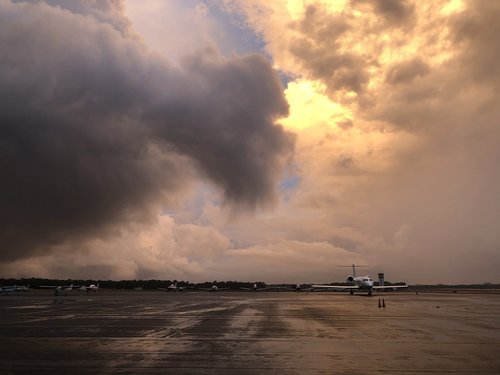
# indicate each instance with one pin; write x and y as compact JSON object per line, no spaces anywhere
{"x":255,"y":288}
{"x":60,"y":289}
{"x":14,"y":289}
{"x":22,"y":288}
{"x":213,"y":288}
{"x":173,"y":288}
{"x":91,"y":288}
{"x":7,"y":290}
{"x":359,"y":283}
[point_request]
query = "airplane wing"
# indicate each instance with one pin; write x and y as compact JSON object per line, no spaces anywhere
{"x":16,"y":287}
{"x":59,"y":289}
{"x":335,"y":287}
{"x":390,"y":286}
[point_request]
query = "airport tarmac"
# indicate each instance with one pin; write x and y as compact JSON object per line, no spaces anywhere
{"x":131,"y":332}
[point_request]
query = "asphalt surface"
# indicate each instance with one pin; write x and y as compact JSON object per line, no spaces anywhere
{"x":125,"y":332}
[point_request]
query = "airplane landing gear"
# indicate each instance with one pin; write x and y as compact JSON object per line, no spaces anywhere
{"x":351,"y":292}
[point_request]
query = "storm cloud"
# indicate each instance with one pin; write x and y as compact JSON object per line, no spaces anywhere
{"x":97,"y":132}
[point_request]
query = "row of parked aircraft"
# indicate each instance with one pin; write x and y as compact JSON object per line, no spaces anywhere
{"x":58,"y":289}
{"x":360,"y":283}
{"x":356,"y":283}
{"x":64,"y":289}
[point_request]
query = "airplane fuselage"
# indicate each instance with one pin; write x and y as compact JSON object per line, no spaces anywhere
{"x":362,"y":282}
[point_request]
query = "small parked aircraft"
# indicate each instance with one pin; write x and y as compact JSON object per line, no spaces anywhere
{"x":91,"y":288}
{"x":255,"y":288}
{"x":213,"y":288}
{"x":14,"y":289}
{"x":173,"y":288}
{"x":61,"y":289}
{"x":300,"y":288}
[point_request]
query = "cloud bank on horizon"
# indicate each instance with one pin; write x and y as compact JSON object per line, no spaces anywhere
{"x":136,"y":148}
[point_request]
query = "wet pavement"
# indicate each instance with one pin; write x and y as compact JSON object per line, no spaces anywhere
{"x":125,"y":332}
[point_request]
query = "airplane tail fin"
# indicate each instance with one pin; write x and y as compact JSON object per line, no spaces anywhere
{"x":353,"y":268}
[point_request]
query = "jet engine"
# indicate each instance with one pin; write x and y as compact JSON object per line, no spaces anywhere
{"x":350,"y":279}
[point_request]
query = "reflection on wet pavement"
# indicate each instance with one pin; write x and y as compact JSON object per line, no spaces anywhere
{"x":242,"y":333}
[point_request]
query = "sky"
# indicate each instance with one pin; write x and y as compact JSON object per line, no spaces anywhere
{"x":250,"y":140}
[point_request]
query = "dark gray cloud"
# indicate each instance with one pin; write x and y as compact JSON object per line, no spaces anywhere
{"x":96,"y":132}
{"x":407,"y":71}
{"x":245,"y":136}
{"x":102,"y":11}
{"x":322,"y":42}
{"x":395,"y":11}
{"x":475,"y":33}
{"x":318,"y":50}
